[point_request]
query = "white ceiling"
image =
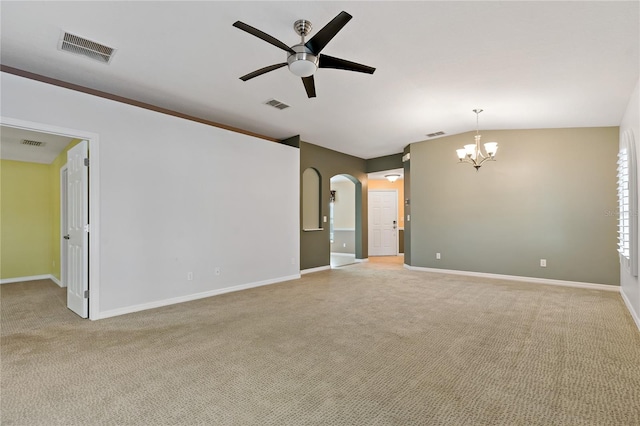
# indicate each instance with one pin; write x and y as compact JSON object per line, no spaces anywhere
{"x":11,"y":147}
{"x":527,"y":64}
{"x":382,"y":175}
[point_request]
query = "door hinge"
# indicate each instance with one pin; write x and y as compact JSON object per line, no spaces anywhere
{"x":86,"y":162}
{"x":86,"y":294}
{"x":87,"y":228}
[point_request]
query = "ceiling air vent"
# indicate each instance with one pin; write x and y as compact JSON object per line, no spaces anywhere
{"x":81,"y":46}
{"x":276,"y":104}
{"x":433,"y":135}
{"x":32,"y":143}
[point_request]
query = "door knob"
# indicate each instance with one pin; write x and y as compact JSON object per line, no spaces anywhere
{"x":66,"y":237}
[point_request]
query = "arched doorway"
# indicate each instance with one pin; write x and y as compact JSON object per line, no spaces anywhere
{"x":342,"y":220}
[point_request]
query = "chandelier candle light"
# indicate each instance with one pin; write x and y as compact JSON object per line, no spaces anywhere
{"x":472,"y":153}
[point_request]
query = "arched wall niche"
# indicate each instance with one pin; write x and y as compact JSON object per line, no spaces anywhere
{"x":311,"y":199}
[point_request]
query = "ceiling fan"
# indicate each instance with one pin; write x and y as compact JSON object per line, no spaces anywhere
{"x":303,"y":59}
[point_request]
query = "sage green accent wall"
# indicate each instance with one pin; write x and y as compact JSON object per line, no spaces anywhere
{"x":293,"y":141}
{"x":310,"y":199}
{"x":388,"y":162}
{"x":25,"y":219}
{"x":550,"y":195}
{"x":315,"y":245}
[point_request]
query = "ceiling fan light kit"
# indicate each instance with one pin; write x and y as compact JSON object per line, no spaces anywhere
{"x":304,"y":59}
{"x":303,"y":63}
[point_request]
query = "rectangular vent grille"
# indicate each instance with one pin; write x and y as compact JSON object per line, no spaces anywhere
{"x":276,"y":104}
{"x":81,"y":46}
{"x":433,"y":135}
{"x":31,"y":143}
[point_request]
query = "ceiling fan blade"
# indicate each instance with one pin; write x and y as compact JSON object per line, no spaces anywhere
{"x":262,"y":71}
{"x":324,"y":36}
{"x":342,"y":64}
{"x":309,"y":86}
{"x":262,"y":35}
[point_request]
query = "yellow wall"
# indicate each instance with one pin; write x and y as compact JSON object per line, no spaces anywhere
{"x":397,"y":185}
{"x":25,"y":219}
{"x":30,"y":217}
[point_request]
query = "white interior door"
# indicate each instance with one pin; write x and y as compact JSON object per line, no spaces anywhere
{"x":77,"y":231}
{"x":64,"y":226}
{"x":383,"y":223}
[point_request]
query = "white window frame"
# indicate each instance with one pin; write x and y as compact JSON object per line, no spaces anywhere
{"x":628,"y":204}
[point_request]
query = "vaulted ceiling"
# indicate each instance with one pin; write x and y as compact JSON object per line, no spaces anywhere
{"x":527,"y":64}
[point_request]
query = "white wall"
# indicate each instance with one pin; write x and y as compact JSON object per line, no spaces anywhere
{"x":344,"y":208}
{"x":175,"y":196}
{"x":630,"y":286}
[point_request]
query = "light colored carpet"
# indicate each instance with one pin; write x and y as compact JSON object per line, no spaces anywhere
{"x":368,"y":344}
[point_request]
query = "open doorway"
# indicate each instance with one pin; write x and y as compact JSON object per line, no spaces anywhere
{"x":386,"y":213}
{"x":342,"y":221}
{"x":57,"y":219}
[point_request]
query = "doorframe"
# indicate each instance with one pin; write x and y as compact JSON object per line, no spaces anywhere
{"x":64,"y":221}
{"x":397,"y":221}
{"x":94,"y":197}
{"x":356,"y":199}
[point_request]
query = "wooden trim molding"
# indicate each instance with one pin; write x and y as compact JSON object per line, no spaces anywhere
{"x":105,"y":95}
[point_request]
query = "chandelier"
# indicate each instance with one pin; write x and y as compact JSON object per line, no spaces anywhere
{"x":472,"y":153}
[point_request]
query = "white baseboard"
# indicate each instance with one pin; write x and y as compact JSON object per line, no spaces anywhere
{"x":56,"y":280}
{"x":30,"y":278}
{"x":318,"y":269}
{"x":342,"y":254}
{"x":349,"y":255}
{"x":190,"y":297}
{"x":547,"y":281}
{"x":633,"y":313}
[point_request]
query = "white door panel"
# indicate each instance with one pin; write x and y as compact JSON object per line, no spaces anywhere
{"x":383,"y":216}
{"x":77,"y":235}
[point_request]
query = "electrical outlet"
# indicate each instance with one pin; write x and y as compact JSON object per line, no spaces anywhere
{"x":189,"y":276}
{"x":217,"y":271}
{"x":438,"y":257}
{"x":344,"y":244}
{"x":293,"y":260}
{"x":543,"y":263}
{"x":324,"y":219}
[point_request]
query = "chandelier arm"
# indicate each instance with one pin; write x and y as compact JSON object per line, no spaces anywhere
{"x":486,"y":159}
{"x":475,"y":156}
{"x":466,"y":160}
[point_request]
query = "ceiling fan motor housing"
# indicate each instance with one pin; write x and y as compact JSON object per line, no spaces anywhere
{"x":304,"y":59}
{"x":303,"y":63}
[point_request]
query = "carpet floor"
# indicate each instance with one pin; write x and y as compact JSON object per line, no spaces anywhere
{"x":366,"y":344}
